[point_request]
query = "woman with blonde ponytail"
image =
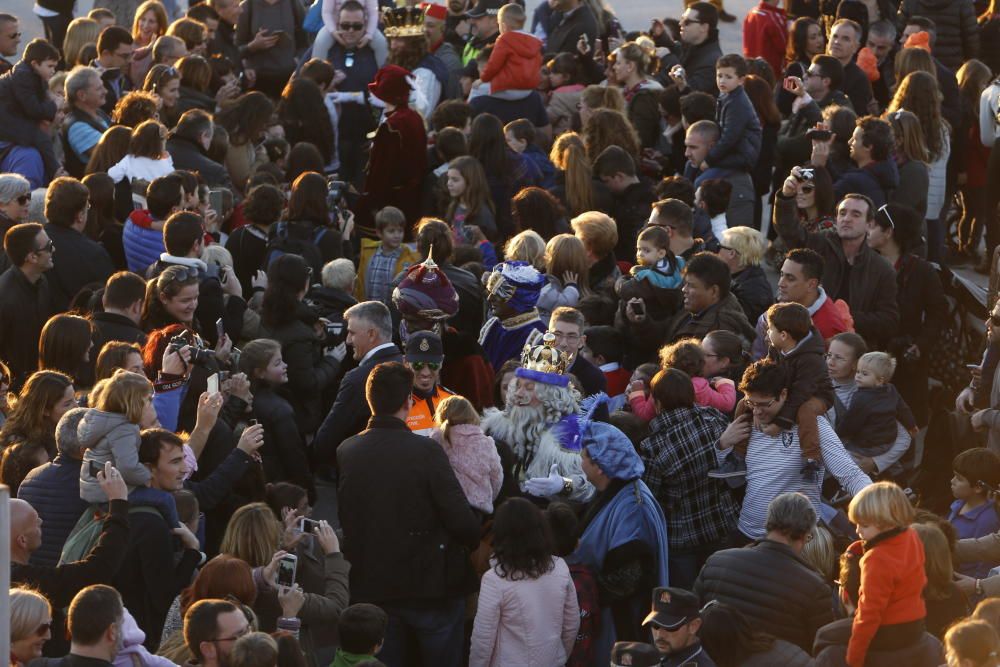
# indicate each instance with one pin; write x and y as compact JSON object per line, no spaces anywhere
{"x":633,"y":64}
{"x":574,"y":174}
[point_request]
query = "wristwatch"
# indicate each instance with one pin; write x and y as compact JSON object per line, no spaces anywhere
{"x":567,"y":487}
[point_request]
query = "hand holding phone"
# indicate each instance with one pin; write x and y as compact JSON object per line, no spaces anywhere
{"x":286,"y":570}
{"x":212,"y":383}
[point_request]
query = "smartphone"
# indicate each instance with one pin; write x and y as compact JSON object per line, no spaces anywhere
{"x":215,"y":194}
{"x":95,"y":468}
{"x":253,"y":422}
{"x":286,"y":570}
{"x":220,"y":330}
{"x":819,"y":135}
{"x":308,"y":525}
{"x":213,"y":384}
{"x":638,"y":307}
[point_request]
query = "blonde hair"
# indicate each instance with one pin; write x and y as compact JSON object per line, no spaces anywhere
{"x":569,"y":155}
{"x":882,"y":364}
{"x":28,"y":610}
{"x":81,"y":31}
{"x":883,"y":504}
{"x":512,"y":15}
{"x":454,"y":411}
{"x":124,"y":393}
{"x":597,"y":231}
{"x":746,"y":241}
{"x":988,"y":610}
{"x":603,"y":97}
{"x":218,"y":254}
{"x":159,"y":11}
{"x":528,"y":246}
{"x":565,"y":252}
{"x":253,"y":535}
{"x":820,"y":553}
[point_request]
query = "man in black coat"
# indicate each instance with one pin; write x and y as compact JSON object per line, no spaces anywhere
{"x":25,"y":303}
{"x":81,"y":259}
{"x":845,"y":41}
{"x":188,"y":144}
{"x":698,"y":49}
{"x":60,"y":583}
{"x":369,"y":334}
{"x":96,"y":618}
{"x":577,"y":20}
{"x":407,"y":525}
{"x":122,"y":301}
{"x":778,"y":591}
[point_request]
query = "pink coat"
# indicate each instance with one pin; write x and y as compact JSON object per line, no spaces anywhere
{"x":722,"y":398}
{"x":474,"y":458}
{"x":528,"y":622}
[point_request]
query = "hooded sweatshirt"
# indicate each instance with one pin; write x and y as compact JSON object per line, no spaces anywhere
{"x":109,"y":436}
{"x":875,"y":181}
{"x":133,"y":653}
{"x":515,"y":63}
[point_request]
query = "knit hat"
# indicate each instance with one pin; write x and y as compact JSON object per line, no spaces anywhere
{"x":426,"y":292}
{"x":516,"y":283}
{"x":391,"y":85}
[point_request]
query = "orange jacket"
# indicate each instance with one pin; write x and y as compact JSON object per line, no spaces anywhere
{"x":892,"y":586}
{"x":421,"y":417}
{"x":516,"y":63}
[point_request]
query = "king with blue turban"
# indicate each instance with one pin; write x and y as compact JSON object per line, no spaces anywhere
{"x":512,"y":290}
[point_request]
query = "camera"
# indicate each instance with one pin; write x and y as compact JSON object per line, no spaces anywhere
{"x":336,"y":333}
{"x":335,"y":193}
{"x":200,"y":353}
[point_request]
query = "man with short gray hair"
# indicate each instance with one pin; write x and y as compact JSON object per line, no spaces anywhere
{"x":769,"y":581}
{"x":369,"y":334}
{"x":86,"y":122}
{"x":15,"y":198}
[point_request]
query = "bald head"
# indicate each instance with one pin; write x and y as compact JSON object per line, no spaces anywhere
{"x":25,"y":530}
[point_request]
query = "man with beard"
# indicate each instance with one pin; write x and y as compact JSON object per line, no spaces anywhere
{"x":540,"y":424}
{"x":211,"y":627}
{"x":404,"y":28}
{"x":512,"y":291}
{"x":425,"y":300}
{"x":485,"y":29}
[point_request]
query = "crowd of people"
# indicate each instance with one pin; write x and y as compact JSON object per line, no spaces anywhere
{"x":492,"y":289}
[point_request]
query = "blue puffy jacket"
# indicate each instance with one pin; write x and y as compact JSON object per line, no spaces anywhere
{"x":143,"y":243}
{"x":53,"y":489}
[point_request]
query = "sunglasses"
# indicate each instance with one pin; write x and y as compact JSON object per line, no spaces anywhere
{"x":176,"y":274}
{"x":419,"y":365}
{"x":689,"y":21}
{"x":885,"y":209}
{"x":350,"y":27}
{"x":48,"y":247}
{"x":23,"y":199}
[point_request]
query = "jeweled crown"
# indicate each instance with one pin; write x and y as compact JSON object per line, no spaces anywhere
{"x":544,"y":358}
{"x":403,"y":22}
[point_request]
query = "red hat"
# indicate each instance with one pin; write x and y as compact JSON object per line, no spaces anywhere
{"x":391,"y":85}
{"x":434,"y":10}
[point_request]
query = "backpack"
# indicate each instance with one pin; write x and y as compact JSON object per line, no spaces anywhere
{"x":292,"y":239}
{"x":87,"y":532}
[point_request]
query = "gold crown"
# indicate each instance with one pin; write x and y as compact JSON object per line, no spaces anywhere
{"x":403,"y":22}
{"x":544,"y":358}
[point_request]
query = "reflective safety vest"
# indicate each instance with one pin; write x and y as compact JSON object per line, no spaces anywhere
{"x":421,"y":417}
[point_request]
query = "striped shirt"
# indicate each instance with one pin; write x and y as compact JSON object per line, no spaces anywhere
{"x":774,"y":466}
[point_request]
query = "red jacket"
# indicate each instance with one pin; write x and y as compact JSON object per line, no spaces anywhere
{"x":892,"y":587}
{"x":516,"y":63}
{"x":832,"y":318}
{"x":765,"y":34}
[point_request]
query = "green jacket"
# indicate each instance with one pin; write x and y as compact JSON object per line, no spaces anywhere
{"x":345,"y":659}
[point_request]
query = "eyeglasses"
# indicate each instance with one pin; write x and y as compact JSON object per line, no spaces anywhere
{"x":350,"y":27}
{"x":43,"y":629}
{"x":23,"y":199}
{"x":885,"y":209}
{"x":732,"y":250}
{"x":754,"y":405}
{"x":242,"y":633}
{"x":687,"y":21}
{"x":419,"y":365}
{"x":48,"y":247}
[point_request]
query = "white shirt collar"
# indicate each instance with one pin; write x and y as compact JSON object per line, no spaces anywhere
{"x":375,"y":349}
{"x":609,"y":367}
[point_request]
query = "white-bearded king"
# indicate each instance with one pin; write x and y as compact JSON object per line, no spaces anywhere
{"x":541,"y":425}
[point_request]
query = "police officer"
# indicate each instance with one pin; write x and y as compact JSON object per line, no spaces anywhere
{"x":675,"y":621}
{"x":424,"y":355}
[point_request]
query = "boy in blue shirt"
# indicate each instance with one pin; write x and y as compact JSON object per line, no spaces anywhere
{"x":977,"y":472}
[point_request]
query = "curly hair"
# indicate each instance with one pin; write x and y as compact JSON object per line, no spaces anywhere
{"x":609,"y":128}
{"x":686,"y":355}
{"x":522,"y":541}
{"x":919,"y":93}
{"x":135,"y":107}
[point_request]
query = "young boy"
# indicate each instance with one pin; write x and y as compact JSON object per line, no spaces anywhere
{"x":973,"y":514}
{"x":796,"y":344}
{"x":25,"y":102}
{"x":868,"y":426}
{"x":520,"y":135}
{"x":738,"y":146}
{"x":604,"y":348}
{"x":384,"y":259}
{"x":361,"y":629}
{"x":514,"y":68}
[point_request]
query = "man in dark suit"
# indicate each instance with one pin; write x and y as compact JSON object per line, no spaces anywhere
{"x":369,"y":333}
{"x":406,"y":525}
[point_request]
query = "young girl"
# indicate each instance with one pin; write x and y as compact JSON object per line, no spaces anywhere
{"x":471,"y":205}
{"x":283,"y":453}
{"x":639,"y":398}
{"x":472,"y":454}
{"x":891,"y":605}
{"x":566,"y":270}
{"x":109,"y":432}
{"x":147,"y":158}
{"x":528,"y":246}
{"x":565,"y":89}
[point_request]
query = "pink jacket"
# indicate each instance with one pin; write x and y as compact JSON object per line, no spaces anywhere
{"x":474,"y":458}
{"x":722,"y":398}
{"x":528,"y":622}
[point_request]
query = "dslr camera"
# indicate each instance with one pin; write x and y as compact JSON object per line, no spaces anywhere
{"x":201,"y":354}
